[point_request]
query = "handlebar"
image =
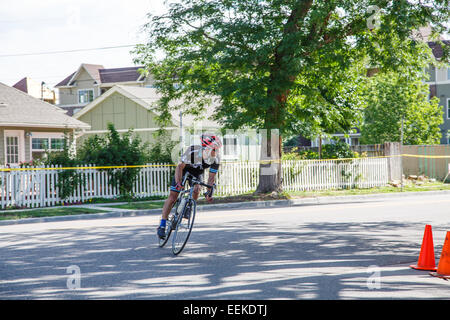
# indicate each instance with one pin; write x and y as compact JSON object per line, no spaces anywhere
{"x":196,"y":181}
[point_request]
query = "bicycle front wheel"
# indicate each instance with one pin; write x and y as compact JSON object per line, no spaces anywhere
{"x":183,"y":227}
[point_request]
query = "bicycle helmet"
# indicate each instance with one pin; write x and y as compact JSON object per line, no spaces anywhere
{"x":210,"y":141}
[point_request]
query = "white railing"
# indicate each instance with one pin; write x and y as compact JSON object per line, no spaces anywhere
{"x":37,"y":186}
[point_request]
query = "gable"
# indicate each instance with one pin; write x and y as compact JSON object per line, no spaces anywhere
{"x":120,"y":110}
{"x":83,"y":79}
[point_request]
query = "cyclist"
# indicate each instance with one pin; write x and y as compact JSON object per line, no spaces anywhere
{"x":195,"y":160}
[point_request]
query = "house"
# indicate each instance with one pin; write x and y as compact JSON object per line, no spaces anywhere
{"x":439,"y":83}
{"x":30,"y":126}
{"x":129,"y":107}
{"x":36,"y":89}
{"x":90,"y":81}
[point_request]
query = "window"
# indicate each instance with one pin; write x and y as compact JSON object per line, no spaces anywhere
{"x":12,"y":149}
{"x":448,"y":108}
{"x":448,"y":73}
{"x":57,"y":143}
{"x":39,"y":143}
{"x":354,"y":141}
{"x":85,"y":95}
{"x":230,"y":146}
{"x":42,"y":142}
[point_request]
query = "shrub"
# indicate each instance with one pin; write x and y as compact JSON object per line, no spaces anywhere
{"x":68,"y":179}
{"x":338,"y":150}
{"x":116,"y":150}
{"x":161,"y":150}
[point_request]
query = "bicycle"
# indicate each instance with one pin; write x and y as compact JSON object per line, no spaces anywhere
{"x":181,"y":220}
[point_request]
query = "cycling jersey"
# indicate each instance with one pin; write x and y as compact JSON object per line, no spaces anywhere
{"x":196,"y":161}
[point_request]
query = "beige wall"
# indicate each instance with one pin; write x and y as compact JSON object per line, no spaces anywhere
{"x":69,"y":96}
{"x":27,"y":140}
{"x":431,"y":167}
{"x":124,"y":113}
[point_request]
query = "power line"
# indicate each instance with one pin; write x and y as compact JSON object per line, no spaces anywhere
{"x":103,"y":73}
{"x":65,"y":51}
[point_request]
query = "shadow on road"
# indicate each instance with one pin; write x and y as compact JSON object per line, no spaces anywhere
{"x":236,"y":260}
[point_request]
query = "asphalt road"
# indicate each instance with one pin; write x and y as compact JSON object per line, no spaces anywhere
{"x":358,"y":250}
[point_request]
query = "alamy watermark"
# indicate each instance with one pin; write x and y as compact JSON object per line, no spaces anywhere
{"x":373,"y":22}
{"x":374,"y":280}
{"x":74,"y":279}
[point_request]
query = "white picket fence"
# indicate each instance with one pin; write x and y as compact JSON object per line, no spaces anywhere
{"x":334,"y":174}
{"x":37,"y":187}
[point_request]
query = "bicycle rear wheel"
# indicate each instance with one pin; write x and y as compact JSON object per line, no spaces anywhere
{"x":183,"y":227}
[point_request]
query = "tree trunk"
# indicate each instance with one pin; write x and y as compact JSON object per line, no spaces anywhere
{"x":270,"y":167}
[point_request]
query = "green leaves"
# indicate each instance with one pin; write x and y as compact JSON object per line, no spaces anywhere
{"x":281,"y":64}
{"x":391,"y":97}
{"x":115,"y":150}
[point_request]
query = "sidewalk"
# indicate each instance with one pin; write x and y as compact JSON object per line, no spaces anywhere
{"x":321,"y":200}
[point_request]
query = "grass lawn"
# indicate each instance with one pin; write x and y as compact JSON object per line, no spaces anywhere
{"x":431,"y":186}
{"x":144,"y":205}
{"x":51,"y":212}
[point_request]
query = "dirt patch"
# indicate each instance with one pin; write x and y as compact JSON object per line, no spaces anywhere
{"x":244,"y":198}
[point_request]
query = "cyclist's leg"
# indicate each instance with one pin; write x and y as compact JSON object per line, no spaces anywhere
{"x":168,"y":204}
{"x":196,"y":192}
{"x":171,"y":199}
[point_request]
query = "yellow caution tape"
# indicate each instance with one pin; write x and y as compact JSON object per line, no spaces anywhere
{"x":260,"y":161}
{"x":87,"y":168}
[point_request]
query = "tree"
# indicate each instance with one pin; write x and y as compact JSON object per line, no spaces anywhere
{"x":392,"y":98}
{"x":278,"y":64}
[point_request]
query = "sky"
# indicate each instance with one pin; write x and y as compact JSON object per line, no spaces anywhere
{"x":30,"y":26}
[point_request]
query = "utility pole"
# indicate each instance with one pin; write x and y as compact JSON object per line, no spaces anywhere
{"x":401,"y":150}
{"x":181,"y":134}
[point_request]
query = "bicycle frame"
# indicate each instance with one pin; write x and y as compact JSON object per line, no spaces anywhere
{"x":179,"y":213}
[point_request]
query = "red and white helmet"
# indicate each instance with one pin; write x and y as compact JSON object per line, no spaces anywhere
{"x":210,"y":141}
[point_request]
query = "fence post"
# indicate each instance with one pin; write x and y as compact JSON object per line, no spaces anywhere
{"x":392,"y":150}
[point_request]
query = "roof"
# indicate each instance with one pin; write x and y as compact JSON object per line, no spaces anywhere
{"x":437,"y":48}
{"x":20,"y":109}
{"x":147,"y":97}
{"x":66,"y":80}
{"x":91,"y":69}
{"x":22,"y":85}
{"x":119,"y":74}
{"x":102,"y":75}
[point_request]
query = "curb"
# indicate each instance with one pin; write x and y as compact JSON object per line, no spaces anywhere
{"x":233,"y":206}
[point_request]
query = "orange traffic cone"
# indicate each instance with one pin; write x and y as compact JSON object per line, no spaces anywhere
{"x":426,"y":257}
{"x":443,"y":270}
